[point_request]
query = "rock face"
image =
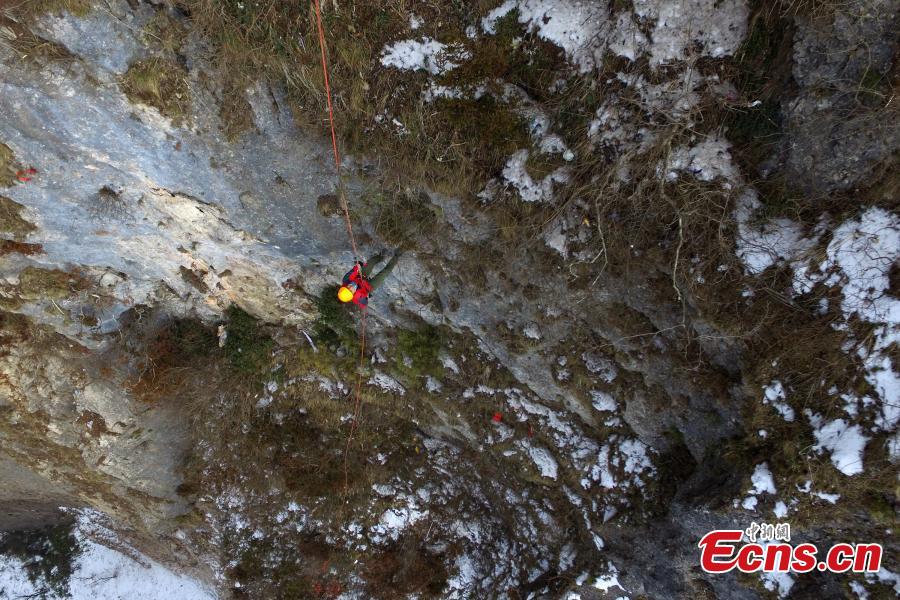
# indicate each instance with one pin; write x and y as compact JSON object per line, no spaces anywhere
{"x":171,"y":354}
{"x":840,"y":131}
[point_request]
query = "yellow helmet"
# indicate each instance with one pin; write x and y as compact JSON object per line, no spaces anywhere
{"x":345,"y":294}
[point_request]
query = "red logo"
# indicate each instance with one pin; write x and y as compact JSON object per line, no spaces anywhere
{"x":720,"y":552}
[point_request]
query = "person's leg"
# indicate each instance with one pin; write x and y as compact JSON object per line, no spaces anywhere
{"x":377,"y":280}
{"x":371,"y":263}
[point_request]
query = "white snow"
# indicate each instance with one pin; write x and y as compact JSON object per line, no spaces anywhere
{"x":860,"y":590}
{"x":859,"y":258}
{"x":387,"y":383}
{"x":774,"y":395}
{"x":780,"y":510}
{"x":449,"y":363}
{"x":544,"y":461}
{"x":760,"y":246}
{"x":706,"y":161}
{"x":778,"y":582}
{"x":830,"y":498}
{"x":636,"y":458}
{"x":885,"y":577}
{"x":101,"y":572}
{"x":556,"y":238}
{"x":395,"y":520}
{"x":717,"y":26}
{"x":603,"y":401}
{"x":515,"y":174}
{"x":600,"y":366}
{"x":575,"y":26}
{"x":762,"y":480}
{"x":862,"y":252}
{"x":432,"y":385}
{"x":415,"y":21}
{"x":428,"y":55}
{"x":749,"y":503}
{"x":610,"y":580}
{"x":532,"y":331}
{"x":585,"y":30}
{"x":845,"y":442}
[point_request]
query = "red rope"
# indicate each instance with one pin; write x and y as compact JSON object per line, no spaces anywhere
{"x":357,"y":408}
{"x":334,"y":145}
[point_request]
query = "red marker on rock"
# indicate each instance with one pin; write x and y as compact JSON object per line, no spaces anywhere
{"x":25,"y":174}
{"x":497,"y":417}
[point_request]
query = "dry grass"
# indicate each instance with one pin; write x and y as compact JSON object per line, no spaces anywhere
{"x":452,"y":147}
{"x":161,"y":83}
{"x":28,"y":46}
{"x":165,"y":32}
{"x":32,"y":8}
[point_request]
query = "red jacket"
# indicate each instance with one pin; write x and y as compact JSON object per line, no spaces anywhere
{"x":363,"y":287}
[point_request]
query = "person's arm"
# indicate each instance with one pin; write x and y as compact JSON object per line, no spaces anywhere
{"x":352,"y":275}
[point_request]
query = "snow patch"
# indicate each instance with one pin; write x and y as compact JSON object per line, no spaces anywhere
{"x":426,"y":55}
{"x":387,"y":383}
{"x":762,"y":480}
{"x":774,"y":394}
{"x":101,"y":572}
{"x":544,"y":461}
{"x":845,"y":442}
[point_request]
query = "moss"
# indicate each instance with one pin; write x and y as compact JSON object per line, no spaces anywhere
{"x":51,"y":284}
{"x":11,"y":220}
{"x":334,"y":325}
{"x":160,"y":83}
{"x":418,"y":351}
{"x":488,"y":130}
{"x":248,"y":349}
{"x":762,"y":72}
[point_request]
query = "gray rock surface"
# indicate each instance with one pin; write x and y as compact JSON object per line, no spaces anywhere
{"x":843,"y":126}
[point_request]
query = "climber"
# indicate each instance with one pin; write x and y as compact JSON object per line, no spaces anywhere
{"x":358,"y":284}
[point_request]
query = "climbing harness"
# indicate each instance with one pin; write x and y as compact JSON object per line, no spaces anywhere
{"x":346,"y":208}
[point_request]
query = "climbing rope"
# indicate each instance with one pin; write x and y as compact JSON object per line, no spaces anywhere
{"x":334,"y":145}
{"x":346,"y":208}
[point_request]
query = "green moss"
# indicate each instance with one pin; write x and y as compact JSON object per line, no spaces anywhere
{"x":50,"y":284}
{"x":761,"y":124}
{"x":160,"y":83}
{"x":487,"y":130}
{"x":11,"y":220}
{"x":248,"y":348}
{"x":418,"y":350}
{"x":335,"y":325}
